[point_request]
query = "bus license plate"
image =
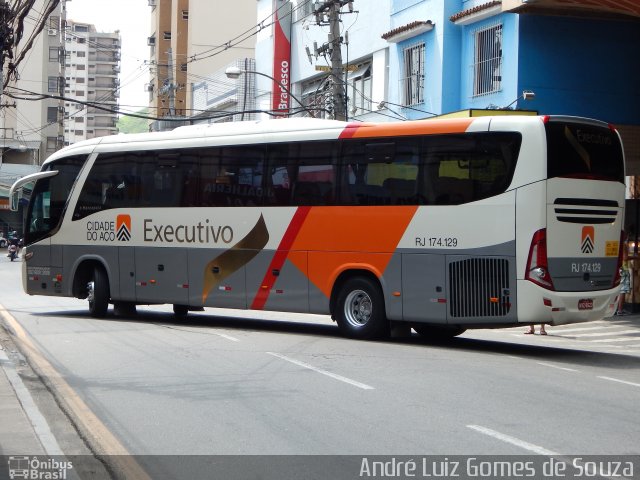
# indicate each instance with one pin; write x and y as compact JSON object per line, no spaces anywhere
{"x":585,"y":304}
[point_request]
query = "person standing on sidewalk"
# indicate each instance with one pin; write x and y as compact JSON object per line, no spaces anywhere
{"x":625,"y":285}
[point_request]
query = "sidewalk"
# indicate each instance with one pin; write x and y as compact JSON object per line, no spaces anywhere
{"x":17,"y":434}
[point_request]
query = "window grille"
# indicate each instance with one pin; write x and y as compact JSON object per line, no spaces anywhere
{"x":487,"y":67}
{"x":413,"y":81}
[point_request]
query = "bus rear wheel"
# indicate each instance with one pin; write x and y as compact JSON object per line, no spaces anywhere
{"x":439,"y":332}
{"x":360,"y":309}
{"x":180,"y":311}
{"x":98,"y":293}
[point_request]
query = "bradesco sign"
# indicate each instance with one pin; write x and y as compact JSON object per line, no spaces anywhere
{"x":202,"y":232}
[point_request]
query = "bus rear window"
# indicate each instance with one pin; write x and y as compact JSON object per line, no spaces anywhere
{"x":583,"y":150}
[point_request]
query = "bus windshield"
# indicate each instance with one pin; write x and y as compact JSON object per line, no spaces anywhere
{"x":49,"y":198}
{"x":583,"y":150}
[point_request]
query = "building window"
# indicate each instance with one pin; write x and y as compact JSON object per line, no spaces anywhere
{"x":79,"y":93}
{"x":413,"y":81}
{"x":166,"y":35}
{"x":359,"y":84}
{"x":52,"y":114}
{"x":315,"y":97}
{"x":53,"y":84}
{"x":185,"y":14}
{"x":81,"y":54}
{"x":54,"y":22}
{"x":79,"y":119}
{"x":303,"y":9}
{"x":79,"y":80}
{"x":52,"y":143}
{"x":487,"y":66}
{"x":81,"y":67}
{"x":79,"y":132}
{"x":82,"y":40}
{"x":54,"y":54}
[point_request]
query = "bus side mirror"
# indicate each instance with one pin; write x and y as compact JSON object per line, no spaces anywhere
{"x":15,"y":200}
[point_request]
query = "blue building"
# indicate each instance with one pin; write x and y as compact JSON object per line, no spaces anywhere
{"x":417,"y":58}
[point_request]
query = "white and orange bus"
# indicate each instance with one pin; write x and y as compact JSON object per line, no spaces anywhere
{"x":441,"y":225}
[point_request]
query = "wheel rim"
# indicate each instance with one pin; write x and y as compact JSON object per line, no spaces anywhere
{"x":90,"y":292}
{"x":358,"y":308}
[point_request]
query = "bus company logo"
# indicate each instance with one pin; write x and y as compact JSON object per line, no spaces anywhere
{"x":588,"y":239}
{"x":123,"y":228}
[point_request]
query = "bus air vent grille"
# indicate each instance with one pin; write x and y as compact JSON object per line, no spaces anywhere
{"x":585,"y":210}
{"x":479,"y":287}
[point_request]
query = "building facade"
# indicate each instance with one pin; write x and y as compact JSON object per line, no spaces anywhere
{"x":409,"y":59}
{"x":191,"y":44}
{"x":31,"y":126}
{"x":92,"y":68}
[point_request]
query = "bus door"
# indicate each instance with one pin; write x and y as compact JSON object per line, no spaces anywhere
{"x":424,"y":288}
{"x":161,"y":275}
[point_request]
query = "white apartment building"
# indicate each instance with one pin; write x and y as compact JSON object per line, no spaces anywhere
{"x":92,"y":67}
{"x":30,"y":126}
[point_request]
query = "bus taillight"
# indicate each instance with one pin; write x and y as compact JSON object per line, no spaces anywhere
{"x":537,"y":264}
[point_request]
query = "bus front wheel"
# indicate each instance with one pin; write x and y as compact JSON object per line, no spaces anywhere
{"x":360,"y":309}
{"x":98,"y":293}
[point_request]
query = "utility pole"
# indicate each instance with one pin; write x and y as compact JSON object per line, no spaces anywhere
{"x":337,"y":72}
{"x":6,"y":41}
{"x":331,"y":9}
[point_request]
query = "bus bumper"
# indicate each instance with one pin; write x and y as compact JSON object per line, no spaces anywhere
{"x":538,"y":305}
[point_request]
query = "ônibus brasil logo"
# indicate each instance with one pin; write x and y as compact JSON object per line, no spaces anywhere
{"x":123,"y":228}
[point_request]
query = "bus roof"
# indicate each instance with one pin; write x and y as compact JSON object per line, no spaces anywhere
{"x":279,"y":130}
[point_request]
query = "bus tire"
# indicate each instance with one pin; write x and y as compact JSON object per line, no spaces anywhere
{"x":360,"y":309}
{"x":98,"y":293}
{"x":439,"y":332}
{"x":180,"y":311}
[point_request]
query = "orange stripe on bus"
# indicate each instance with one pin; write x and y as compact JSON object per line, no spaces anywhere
{"x":360,"y":237}
{"x":418,"y":127}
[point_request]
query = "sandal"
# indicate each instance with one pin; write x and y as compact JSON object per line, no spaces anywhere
{"x":529,"y":332}
{"x":543,"y":333}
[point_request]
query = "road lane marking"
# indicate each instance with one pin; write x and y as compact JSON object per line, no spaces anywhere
{"x":103,"y":441}
{"x":556,"y":366}
{"x":620,"y":381}
{"x":513,"y":441}
{"x":604,"y":334}
{"x":363,"y":386}
{"x":605,"y":340}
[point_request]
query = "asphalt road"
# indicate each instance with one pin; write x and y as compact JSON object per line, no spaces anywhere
{"x":246,"y":383}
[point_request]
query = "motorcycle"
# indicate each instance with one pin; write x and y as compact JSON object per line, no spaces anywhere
{"x":13,"y":252}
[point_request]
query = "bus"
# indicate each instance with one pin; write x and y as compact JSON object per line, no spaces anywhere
{"x":440,"y":225}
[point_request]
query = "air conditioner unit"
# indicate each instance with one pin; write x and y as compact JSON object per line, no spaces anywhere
{"x":52,"y":32}
{"x":152,"y":3}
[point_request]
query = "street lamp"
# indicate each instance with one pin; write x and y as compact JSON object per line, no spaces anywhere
{"x":526,"y":95}
{"x":235,"y":72}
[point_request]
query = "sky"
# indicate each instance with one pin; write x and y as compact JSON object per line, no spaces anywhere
{"x":132,"y":18}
